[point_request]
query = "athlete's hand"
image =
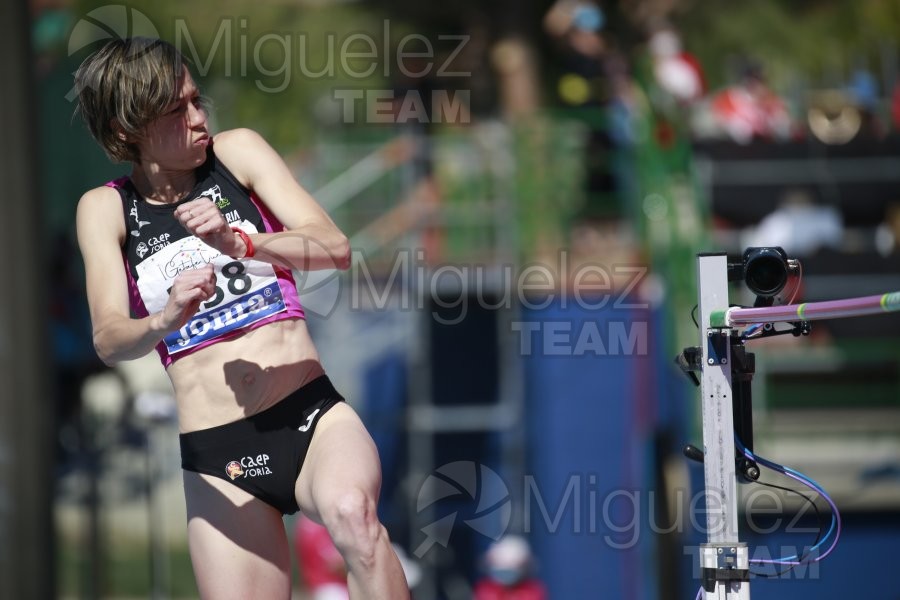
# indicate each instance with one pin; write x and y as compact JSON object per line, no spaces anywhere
{"x":203,"y":218}
{"x":190,"y":288}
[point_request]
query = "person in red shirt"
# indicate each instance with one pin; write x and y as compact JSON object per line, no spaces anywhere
{"x":751,"y":110}
{"x":509,"y":566}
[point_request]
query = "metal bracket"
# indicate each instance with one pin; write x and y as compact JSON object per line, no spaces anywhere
{"x":724,"y":564}
{"x":717,"y":346}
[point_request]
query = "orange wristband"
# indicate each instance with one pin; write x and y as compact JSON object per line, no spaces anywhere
{"x":247,"y":242}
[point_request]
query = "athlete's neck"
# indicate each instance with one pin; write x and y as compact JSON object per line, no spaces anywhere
{"x":160,"y":186}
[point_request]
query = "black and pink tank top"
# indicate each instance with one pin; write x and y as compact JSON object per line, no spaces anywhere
{"x":249,"y":293}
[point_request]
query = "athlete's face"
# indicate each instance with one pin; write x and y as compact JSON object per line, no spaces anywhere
{"x":179,"y":137}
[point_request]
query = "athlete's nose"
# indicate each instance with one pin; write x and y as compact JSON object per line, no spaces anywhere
{"x":196,"y":116}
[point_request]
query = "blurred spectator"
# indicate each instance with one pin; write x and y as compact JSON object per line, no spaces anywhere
{"x":676,"y":71}
{"x":589,"y":87}
{"x":509,"y":573}
{"x":799,"y":226}
{"x":577,"y":27}
{"x":750,"y":110}
{"x":675,"y":85}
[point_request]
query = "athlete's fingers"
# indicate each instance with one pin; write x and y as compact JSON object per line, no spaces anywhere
{"x":181,"y":305}
{"x":207,"y":282}
{"x":202,"y":278}
{"x":196,"y":213}
{"x":203,"y":219}
{"x":193,"y":209}
{"x":208,"y":286}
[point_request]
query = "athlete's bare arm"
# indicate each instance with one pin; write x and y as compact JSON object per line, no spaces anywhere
{"x":310,"y":241}
{"x":117,"y":336}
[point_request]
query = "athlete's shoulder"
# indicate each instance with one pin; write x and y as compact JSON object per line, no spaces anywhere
{"x":99,"y":198}
{"x":100,"y":209}
{"x":246,"y":154}
{"x":237,"y":140}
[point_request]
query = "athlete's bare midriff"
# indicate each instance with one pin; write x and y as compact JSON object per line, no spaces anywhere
{"x":239,"y":377}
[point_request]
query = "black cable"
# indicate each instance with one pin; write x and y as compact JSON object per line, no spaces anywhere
{"x":819,"y":518}
{"x":803,"y":557}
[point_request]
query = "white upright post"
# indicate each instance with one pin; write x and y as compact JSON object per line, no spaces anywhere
{"x":724,"y":562}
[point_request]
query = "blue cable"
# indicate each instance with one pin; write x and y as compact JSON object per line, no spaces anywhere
{"x":751,"y":331}
{"x":794,"y":474}
{"x":809,"y":482}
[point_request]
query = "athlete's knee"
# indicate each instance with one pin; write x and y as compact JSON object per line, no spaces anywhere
{"x":352,"y":521}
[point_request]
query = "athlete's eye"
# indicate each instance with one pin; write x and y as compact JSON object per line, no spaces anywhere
{"x":200,"y":102}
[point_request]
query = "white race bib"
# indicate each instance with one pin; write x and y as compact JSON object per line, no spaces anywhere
{"x":247,"y":291}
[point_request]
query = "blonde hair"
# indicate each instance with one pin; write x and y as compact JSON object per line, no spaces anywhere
{"x":124,"y":86}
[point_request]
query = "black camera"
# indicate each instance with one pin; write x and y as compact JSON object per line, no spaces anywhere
{"x":765,"y":271}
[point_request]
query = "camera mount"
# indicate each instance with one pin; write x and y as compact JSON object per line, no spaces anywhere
{"x":725,"y":376}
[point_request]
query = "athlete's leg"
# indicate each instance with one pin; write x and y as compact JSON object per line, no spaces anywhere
{"x":338,"y":486}
{"x":238,"y":544}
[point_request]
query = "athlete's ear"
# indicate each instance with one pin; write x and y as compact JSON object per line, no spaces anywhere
{"x":118,"y":129}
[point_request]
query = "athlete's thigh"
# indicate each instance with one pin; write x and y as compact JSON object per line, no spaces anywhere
{"x":238,"y":543}
{"x":342,"y":457}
